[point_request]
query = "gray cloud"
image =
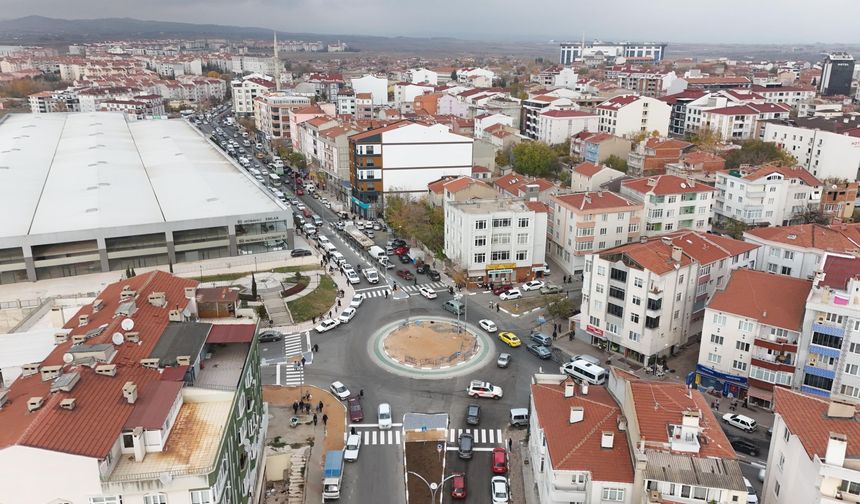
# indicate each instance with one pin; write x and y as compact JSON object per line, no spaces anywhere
{"x":726,"y":21}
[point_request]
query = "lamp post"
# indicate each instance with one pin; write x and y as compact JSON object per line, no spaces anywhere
{"x":433,"y":487}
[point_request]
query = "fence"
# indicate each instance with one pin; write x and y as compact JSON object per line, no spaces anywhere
{"x":35,"y":303}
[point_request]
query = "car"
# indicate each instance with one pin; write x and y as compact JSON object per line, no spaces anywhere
{"x":752,"y":498}
{"x":473,"y":414}
{"x":478,"y":388}
{"x":550,"y":289}
{"x":744,"y":446}
{"x":347,"y":315}
{"x":511,"y":294}
{"x":503,"y":360}
{"x":742,"y":422}
{"x":540,"y":351}
{"x":377,"y":226}
{"x":401,"y":250}
{"x":465,"y":445}
{"x":383,"y":416}
{"x":327,"y":325}
{"x":397,"y":242}
{"x":300,"y":253}
{"x":353,"y":404}
{"x":405,"y":274}
{"x":356,"y":300}
{"x":499,"y":490}
{"x":434,"y":275}
{"x":500,"y":461}
{"x":423,"y":269}
{"x":510,"y":339}
{"x":352,"y":277}
{"x":405,"y":259}
{"x":339,"y":390}
{"x":488,"y":325}
{"x":458,"y":486}
{"x":353,"y":444}
{"x":270,"y":336}
{"x":532,"y":285}
{"x":498,"y":289}
{"x":369,"y":233}
{"x":427,"y":292}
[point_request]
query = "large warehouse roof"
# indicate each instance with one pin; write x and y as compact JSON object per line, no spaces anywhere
{"x":76,"y":171}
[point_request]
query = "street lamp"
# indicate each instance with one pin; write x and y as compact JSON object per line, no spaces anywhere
{"x":433,"y":487}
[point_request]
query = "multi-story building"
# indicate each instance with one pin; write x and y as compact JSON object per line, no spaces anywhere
{"x":772,"y":195}
{"x":814,"y":451}
{"x":557,"y":126}
{"x":484,"y":121}
{"x":45,"y":102}
{"x":678,"y":116}
{"x":532,"y":108}
{"x":498,"y":240}
{"x":717,"y":83}
{"x":346,"y":102}
{"x":576,"y":51}
{"x":138,"y":107}
{"x":272,"y":112}
{"x":245,"y":90}
{"x":649,"y":83}
{"x":742,"y":122}
{"x":402,"y":158}
{"x":671,"y":203}
{"x":838,"y":200}
{"x":629,"y":115}
{"x":699,"y":165}
{"x":514,"y":185}
{"x":584,"y":223}
{"x":650,"y":156}
{"x":136,"y":403}
{"x":643,"y":300}
{"x":333,"y":159}
{"x":797,"y":250}
{"x":792,"y":96}
{"x":837,"y":73}
{"x":577,"y":447}
{"x":377,"y":87}
{"x":827,"y":148}
{"x":598,"y":147}
{"x":750,"y":334}
{"x":591,"y":177}
{"x":365,"y":110}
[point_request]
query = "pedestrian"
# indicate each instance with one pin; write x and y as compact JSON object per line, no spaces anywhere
{"x":316,"y":348}
{"x":415,"y":281}
{"x":338,"y":303}
{"x":315,"y":419}
{"x":386,"y":293}
{"x":570,"y":336}
{"x":314,"y":320}
{"x":301,"y":404}
{"x":308,"y":408}
{"x":325,"y":419}
{"x":303,"y":362}
{"x":497,"y":307}
{"x":295,"y":365}
{"x":352,"y":430}
{"x":554,"y":334}
{"x":320,"y":406}
{"x":295,"y":407}
{"x":361,"y":392}
{"x":510,"y":444}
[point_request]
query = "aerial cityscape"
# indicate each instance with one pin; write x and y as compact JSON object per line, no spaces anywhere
{"x":389,"y":252}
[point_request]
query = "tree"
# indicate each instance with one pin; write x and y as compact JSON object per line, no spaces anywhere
{"x":616,"y":163}
{"x":705,"y":139}
{"x":534,"y":158}
{"x":757,"y":152}
{"x":253,"y":286}
{"x":812,"y":216}
{"x":735,"y":228}
{"x":297,"y":159}
{"x":454,"y":75}
{"x":213,"y":74}
{"x":503,"y":157}
{"x":561,"y":309}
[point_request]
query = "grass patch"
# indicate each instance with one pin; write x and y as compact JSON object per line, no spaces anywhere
{"x":315,"y":303}
{"x":293,"y":269}
{"x":520,"y":306}
{"x":229,"y":277}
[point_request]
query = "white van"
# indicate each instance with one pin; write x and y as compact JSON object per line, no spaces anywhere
{"x":377,"y":252}
{"x":338,"y":258}
{"x":371,"y":275}
{"x":329,"y":247}
{"x":585,"y":371}
{"x":309,"y":229}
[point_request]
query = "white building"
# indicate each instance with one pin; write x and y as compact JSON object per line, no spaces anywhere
{"x":477,"y":77}
{"x":500,"y":241}
{"x":576,"y":51}
{"x":405,"y":93}
{"x":629,"y":115}
{"x":645,"y":299}
{"x":671,"y":203}
{"x":828,"y":148}
{"x":247,"y":89}
{"x":346,"y":103}
{"x":742,"y":122}
{"x":272,"y":112}
{"x":584,"y":223}
{"x":792,"y":96}
{"x":797,"y":250}
{"x":591,"y":177}
{"x":423,"y":76}
{"x":750,"y":335}
{"x":484,"y":121}
{"x":776,"y":195}
{"x":376,"y":86}
{"x":557,"y":126}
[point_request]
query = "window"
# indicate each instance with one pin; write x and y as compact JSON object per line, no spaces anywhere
{"x":772,"y":268}
{"x":776,"y":488}
{"x":634,"y":317}
{"x":522,"y":255}
{"x":613,"y":494}
{"x":676,"y":314}
{"x":601,"y":271}
{"x":619,"y":229}
{"x":634,"y":336}
{"x":501,"y":239}
{"x":745,"y":325}
{"x":113,"y":499}
{"x":480,"y":258}
{"x":615,"y":310}
{"x":585,"y":231}
{"x":638,"y":282}
{"x":202,"y":497}
{"x":850,"y":487}
{"x":481,"y":224}
{"x":616,"y":293}
{"x":717,"y":339}
{"x":786,"y":270}
{"x":655,"y":304}
{"x":774,"y":252}
{"x":501,"y":255}
{"x":594,"y":321}
{"x":848,"y":390}
{"x":719,"y":319}
{"x":602,"y":232}
{"x":601,"y":245}
{"x":584,"y":245}
{"x":739,"y":365}
{"x":613,"y":328}
{"x":714,"y":358}
{"x":785,"y":433}
{"x":127,"y":440}
{"x":522,"y":238}
{"x":834,"y":318}
{"x":743,"y":347}
{"x":155,"y":499}
{"x":502,"y":222}
{"x":617,"y":274}
{"x":599,"y":288}
{"x":700,"y":493}
{"x":480,"y":241}
{"x":788,"y":254}
{"x":852,"y":369}
{"x":854,"y":348}
{"x":523,"y":222}
{"x":637,"y":300}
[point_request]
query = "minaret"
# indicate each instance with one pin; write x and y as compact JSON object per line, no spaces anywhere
{"x":277,"y":64}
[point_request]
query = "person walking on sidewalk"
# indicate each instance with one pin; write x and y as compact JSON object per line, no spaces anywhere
{"x":510,"y":444}
{"x":325,"y":419}
{"x":320,"y":407}
{"x":315,"y":419}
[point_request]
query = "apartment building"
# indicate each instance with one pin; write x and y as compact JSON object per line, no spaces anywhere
{"x":598,"y":147}
{"x":138,"y":404}
{"x":557,"y":126}
{"x":651,"y":155}
{"x":333,"y":159}
{"x":448,"y":189}
{"x":578,"y":447}
{"x":576,"y":51}
{"x":644,"y":299}
{"x":591,"y":177}
{"x":584,"y":223}
{"x":247,"y":88}
{"x":671,"y":203}
{"x":699,"y":165}
{"x":402,"y":158}
{"x":750,"y":335}
{"x":483,"y":121}
{"x":772,"y":195}
{"x":837,"y":74}
{"x":629,"y":115}
{"x":678,"y":115}
{"x":792,"y":96}
{"x":559,"y":99}
{"x":649,"y":83}
{"x":377,"y":87}
{"x":827,"y":148}
{"x":814,"y":451}
{"x":498,"y":240}
{"x":742,"y":122}
{"x":797,"y":250}
{"x":514,"y":185}
{"x":272,"y":112}
{"x":345,"y":102}
{"x":838,"y":201}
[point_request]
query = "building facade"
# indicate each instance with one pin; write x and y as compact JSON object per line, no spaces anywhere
{"x":827,"y":148}
{"x":837,"y":73}
{"x":272,"y":112}
{"x":570,"y":52}
{"x":245,"y":90}
{"x":772,"y":195}
{"x":671,"y":203}
{"x":629,"y":115}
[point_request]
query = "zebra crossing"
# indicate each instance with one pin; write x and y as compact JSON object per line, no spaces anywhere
{"x":372,"y":436}
{"x":293,"y":375}
{"x":292,"y":344}
{"x":411,"y":289}
{"x":481,"y":436}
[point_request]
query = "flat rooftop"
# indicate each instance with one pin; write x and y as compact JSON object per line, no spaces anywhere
{"x":76,"y":171}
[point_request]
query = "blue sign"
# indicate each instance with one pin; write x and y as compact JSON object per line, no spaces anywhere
{"x":360,"y":203}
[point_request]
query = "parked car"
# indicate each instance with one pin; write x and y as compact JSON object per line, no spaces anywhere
{"x":532,"y":285}
{"x":540,"y":351}
{"x":434,"y":275}
{"x":742,"y":422}
{"x":465,"y":445}
{"x":511,"y":294}
{"x":401,"y":250}
{"x":405,"y":259}
{"x":327,"y":325}
{"x":510,"y":339}
{"x":744,"y":446}
{"x":488,"y":325}
{"x":427,"y":292}
{"x":550,"y":289}
{"x":500,"y":461}
{"x":503,"y":360}
{"x":458,"y":486}
{"x":353,"y":444}
{"x":383,"y":416}
{"x":270,"y":337}
{"x":339,"y":390}
{"x":356,"y":300}
{"x":423,"y":269}
{"x":347,"y":315}
{"x":396,"y":242}
{"x":353,"y":404}
{"x":752,"y":498}
{"x":405,"y":274}
{"x":473,"y":414}
{"x":300,"y":253}
{"x":477,"y":388}
{"x":352,"y":277}
{"x":498,"y":289}
{"x":499,"y":490}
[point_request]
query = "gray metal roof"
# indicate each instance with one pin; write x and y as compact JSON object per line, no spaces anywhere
{"x":697,"y":471}
{"x":425,"y":421}
{"x":178,"y":339}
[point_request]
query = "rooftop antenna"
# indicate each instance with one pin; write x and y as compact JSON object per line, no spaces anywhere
{"x":277,"y":63}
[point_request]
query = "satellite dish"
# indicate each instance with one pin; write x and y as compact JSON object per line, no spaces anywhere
{"x":68,"y":358}
{"x":117,"y":338}
{"x":127,"y":324}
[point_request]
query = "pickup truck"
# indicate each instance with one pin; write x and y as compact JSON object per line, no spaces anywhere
{"x":332,"y":474}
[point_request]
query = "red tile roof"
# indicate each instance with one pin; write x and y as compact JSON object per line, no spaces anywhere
{"x":437,"y":185}
{"x":231,"y":333}
{"x":537,"y":206}
{"x":567,"y":113}
{"x":656,"y":256}
{"x":617,"y":102}
{"x":806,"y":418}
{"x":515,"y":184}
{"x":665,"y":184}
{"x":835,"y":238}
{"x":595,"y":200}
{"x":839,"y":270}
{"x":775,"y":300}
{"x":587,"y":169}
{"x":577,"y":446}
{"x":156,"y":399}
{"x":217,"y":295}
{"x":795,"y":172}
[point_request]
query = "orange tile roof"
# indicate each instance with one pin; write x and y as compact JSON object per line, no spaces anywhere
{"x":381,"y":129}
{"x":537,"y":206}
{"x":666,"y":184}
{"x":576,"y":447}
{"x":596,"y":200}
{"x":437,"y":185}
{"x":775,"y":300}
{"x":656,"y":256}
{"x":707,"y":248}
{"x":461,"y":183}
{"x":837,"y":238}
{"x":587,"y":169}
{"x":806,"y":417}
{"x":795,"y":172}
{"x":515,"y":183}
{"x":666,"y":143}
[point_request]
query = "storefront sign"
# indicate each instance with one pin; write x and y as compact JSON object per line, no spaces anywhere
{"x":594,"y":330}
{"x":360,"y":203}
{"x":491,"y":267}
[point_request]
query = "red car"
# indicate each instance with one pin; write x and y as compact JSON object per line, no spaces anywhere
{"x":401,"y":250}
{"x":405,"y":274}
{"x":498,"y":289}
{"x":500,"y":461}
{"x":458,"y":486}
{"x":300,"y":192}
{"x":353,"y":404}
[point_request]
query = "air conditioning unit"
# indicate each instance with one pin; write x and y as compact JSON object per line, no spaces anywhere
{"x":68,"y":404}
{"x":151,"y":363}
{"x":35,"y":403}
{"x":132,"y":337}
{"x":129,"y":391}
{"x":106,"y":369}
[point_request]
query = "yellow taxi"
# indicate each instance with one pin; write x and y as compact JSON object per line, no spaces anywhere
{"x":510,"y":339}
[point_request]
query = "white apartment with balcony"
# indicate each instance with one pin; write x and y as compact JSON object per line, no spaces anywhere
{"x":272,"y":112}
{"x":742,"y":122}
{"x":557,"y":126}
{"x":629,"y":115}
{"x":772,"y":195}
{"x":584,"y":223}
{"x":827,"y":148}
{"x":750,"y":334}
{"x":797,"y":250}
{"x":671,"y":203}
{"x":246,"y":89}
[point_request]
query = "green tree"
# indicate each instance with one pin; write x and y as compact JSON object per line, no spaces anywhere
{"x":297,"y":159}
{"x":561,"y":309}
{"x":812,"y":216}
{"x":454,"y":75}
{"x":503,"y":158}
{"x":734,"y":228}
{"x":705,"y":139}
{"x":616,"y":163}
{"x":534,"y":158}
{"x":757,"y":152}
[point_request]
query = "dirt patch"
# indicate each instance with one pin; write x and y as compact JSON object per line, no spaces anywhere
{"x":423,"y":458}
{"x":520,"y":306}
{"x":280,"y":401}
{"x":430,"y":343}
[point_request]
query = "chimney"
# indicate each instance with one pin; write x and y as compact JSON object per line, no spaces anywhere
{"x":137,"y":441}
{"x":129,"y":391}
{"x":691,"y":182}
{"x":174,"y":316}
{"x":584,"y":388}
{"x":68,"y":404}
{"x":157,"y":299}
{"x":666,"y":240}
{"x":643,"y":239}
{"x":97,"y":305}
{"x":35,"y":403}
{"x":677,"y":253}
{"x":691,"y":418}
{"x":836,"y":446}
{"x":569,"y":390}
{"x":839,"y":409}
{"x":607,"y":439}
{"x":190,"y":292}
{"x":83,"y":320}
{"x":652,"y":182}
{"x":577,"y":414}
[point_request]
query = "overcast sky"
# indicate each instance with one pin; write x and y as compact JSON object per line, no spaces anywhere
{"x":740,"y":21}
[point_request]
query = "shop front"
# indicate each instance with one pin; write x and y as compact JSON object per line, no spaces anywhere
{"x":502,"y":273}
{"x":728,"y":385}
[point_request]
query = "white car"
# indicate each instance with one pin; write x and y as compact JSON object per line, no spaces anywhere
{"x":327,"y":325}
{"x":488,"y":325}
{"x":499,"y":490}
{"x":347,"y":315}
{"x":339,"y":389}
{"x":352,"y":277}
{"x":478,"y":388}
{"x":532,"y":285}
{"x":353,"y":444}
{"x":427,"y":292}
{"x":511,"y":294}
{"x":742,"y":422}
{"x":383,"y":416}
{"x":357,"y":300}
{"x":752,"y":498}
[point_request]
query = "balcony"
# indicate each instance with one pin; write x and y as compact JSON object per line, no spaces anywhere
{"x":828,"y":372}
{"x":831,"y":330}
{"x":826,"y":351}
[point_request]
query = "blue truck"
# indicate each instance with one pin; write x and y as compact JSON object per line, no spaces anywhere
{"x":332,"y":473}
